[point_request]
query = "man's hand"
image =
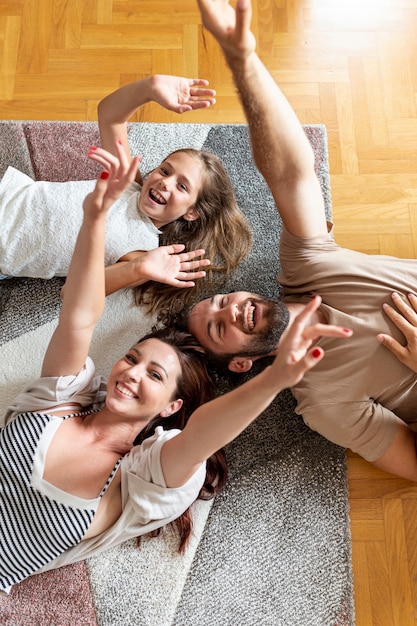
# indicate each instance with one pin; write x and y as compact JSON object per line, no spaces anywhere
{"x":230,"y":27}
{"x":405,"y":319}
{"x":169,"y":265}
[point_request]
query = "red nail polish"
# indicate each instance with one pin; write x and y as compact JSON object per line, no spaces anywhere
{"x":93,"y":148}
{"x":316,"y":353}
{"x":104,"y":175}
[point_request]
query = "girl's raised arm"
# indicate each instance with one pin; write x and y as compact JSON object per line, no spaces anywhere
{"x":215,"y":424}
{"x":172,"y":92}
{"x":85,"y":286}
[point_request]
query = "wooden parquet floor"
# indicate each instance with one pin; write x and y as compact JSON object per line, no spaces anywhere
{"x":350,"y":65}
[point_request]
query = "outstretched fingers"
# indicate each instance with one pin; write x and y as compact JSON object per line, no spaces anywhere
{"x":187,"y":260}
{"x":296,"y":349}
{"x":189,"y":268}
{"x":304,"y":316}
{"x":325,"y":330}
{"x":104,"y":158}
{"x":229,"y":26}
{"x":190,"y":260}
{"x":199,"y":89}
{"x":196,"y":96}
{"x":243,"y":18}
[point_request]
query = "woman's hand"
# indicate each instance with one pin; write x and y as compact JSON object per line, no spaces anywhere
{"x":84,"y":298}
{"x":405,"y":319}
{"x":181,"y":94}
{"x":296,"y":354}
{"x":119,"y":172}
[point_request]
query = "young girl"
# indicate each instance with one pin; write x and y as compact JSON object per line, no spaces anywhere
{"x":187,"y":203}
{"x":72,"y":481}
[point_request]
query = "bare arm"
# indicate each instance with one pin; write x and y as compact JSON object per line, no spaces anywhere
{"x":172,"y":92}
{"x":401,"y":458}
{"x":218,"y":422}
{"x":85,"y":290}
{"x":280,"y":147}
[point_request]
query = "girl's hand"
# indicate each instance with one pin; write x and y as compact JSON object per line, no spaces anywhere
{"x":295,"y":355}
{"x":181,"y":94}
{"x":119,"y":172}
{"x":170,"y":265}
{"x":405,"y":319}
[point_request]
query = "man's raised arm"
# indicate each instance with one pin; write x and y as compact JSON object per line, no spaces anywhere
{"x":280,"y":147}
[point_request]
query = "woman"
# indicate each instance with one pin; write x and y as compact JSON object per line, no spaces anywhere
{"x":72,"y":481}
{"x":187,"y":205}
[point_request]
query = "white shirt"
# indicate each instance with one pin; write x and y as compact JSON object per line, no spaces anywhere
{"x":39,"y":224}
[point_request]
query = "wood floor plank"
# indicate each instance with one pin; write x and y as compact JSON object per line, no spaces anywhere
{"x":399,"y":579}
{"x":380,"y":588}
{"x":362,"y":582}
{"x":410,"y":525}
{"x":10,"y":28}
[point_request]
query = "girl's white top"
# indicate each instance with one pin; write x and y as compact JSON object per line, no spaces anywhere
{"x":39,"y":224}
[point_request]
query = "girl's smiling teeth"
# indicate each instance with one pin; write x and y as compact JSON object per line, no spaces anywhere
{"x":156,"y":196}
{"x":125,"y":391}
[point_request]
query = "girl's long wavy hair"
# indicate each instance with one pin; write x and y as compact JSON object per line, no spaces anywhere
{"x":195,"y":386}
{"x":221,"y":230}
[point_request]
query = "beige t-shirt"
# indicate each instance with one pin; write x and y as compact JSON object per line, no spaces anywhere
{"x":357,"y":394}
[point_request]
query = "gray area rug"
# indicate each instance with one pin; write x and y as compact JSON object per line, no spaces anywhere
{"x":274,"y":548}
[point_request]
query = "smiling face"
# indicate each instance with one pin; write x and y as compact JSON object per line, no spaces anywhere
{"x":171,"y":190}
{"x":143,"y":383}
{"x":238,"y":323}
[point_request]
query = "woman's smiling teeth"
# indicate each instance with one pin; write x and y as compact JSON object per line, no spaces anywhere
{"x":156,"y":196}
{"x":125,"y":391}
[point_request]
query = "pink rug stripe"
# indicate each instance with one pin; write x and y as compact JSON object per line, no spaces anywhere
{"x":57,"y":598}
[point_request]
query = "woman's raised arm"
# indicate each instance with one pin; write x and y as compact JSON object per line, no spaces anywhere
{"x":85,"y":286}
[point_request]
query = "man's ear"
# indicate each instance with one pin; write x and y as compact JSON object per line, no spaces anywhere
{"x":191,"y":215}
{"x":171,"y":408}
{"x":240,"y":364}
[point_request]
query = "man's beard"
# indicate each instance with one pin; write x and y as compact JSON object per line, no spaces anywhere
{"x":277,"y":316}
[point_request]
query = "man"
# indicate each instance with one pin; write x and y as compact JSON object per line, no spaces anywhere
{"x":359,"y":396}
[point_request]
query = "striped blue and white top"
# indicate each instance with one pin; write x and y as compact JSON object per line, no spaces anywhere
{"x":38,"y":521}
